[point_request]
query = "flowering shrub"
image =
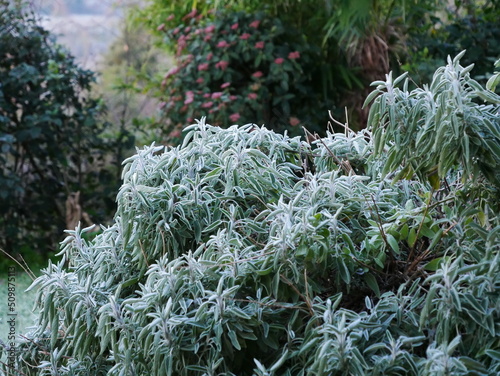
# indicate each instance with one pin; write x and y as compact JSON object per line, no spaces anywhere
{"x":236,"y":68}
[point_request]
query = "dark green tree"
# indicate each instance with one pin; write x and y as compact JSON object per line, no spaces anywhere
{"x":50,"y":136}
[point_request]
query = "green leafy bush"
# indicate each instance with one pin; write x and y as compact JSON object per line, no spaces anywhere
{"x":51,"y":139}
{"x":246,"y":252}
{"x":442,"y":31}
{"x":238,"y":67}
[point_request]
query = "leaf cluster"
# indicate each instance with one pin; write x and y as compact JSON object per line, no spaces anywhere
{"x":451,"y":122}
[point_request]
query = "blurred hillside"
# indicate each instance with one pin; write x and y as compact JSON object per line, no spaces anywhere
{"x":86,"y":27}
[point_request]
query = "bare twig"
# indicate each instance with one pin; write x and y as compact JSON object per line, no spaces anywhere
{"x":304,"y":298}
{"x":25,"y":268}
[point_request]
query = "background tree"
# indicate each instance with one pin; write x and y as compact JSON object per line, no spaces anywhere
{"x":468,"y":25}
{"x":50,"y":134}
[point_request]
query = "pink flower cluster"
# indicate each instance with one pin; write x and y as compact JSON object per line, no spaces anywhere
{"x":294,"y":121}
{"x":190,"y":15}
{"x":172,"y":72}
{"x":203,"y":67}
{"x":222,"y":44}
{"x":222,"y":65}
{"x":234,"y":117}
{"x":189,"y":97}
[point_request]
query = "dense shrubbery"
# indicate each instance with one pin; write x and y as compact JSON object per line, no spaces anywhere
{"x":344,"y":45}
{"x":51,"y":139}
{"x":240,"y":67}
{"x":244,"y":252}
{"x":471,"y":26}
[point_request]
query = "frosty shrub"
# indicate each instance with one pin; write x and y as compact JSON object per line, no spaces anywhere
{"x":246,"y":252}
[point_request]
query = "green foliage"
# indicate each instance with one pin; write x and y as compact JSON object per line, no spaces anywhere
{"x":494,"y":80}
{"x":246,"y":252}
{"x":130,"y":58}
{"x":434,"y":129}
{"x":239,"y":68}
{"x":467,"y":25}
{"x":317,"y":80}
{"x":49,"y":135}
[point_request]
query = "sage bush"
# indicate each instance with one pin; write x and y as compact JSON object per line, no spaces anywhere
{"x":246,"y":252}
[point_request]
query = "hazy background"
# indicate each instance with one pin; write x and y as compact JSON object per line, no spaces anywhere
{"x":85,"y":27}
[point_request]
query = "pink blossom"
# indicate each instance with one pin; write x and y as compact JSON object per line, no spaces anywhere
{"x":233,"y":97}
{"x":252,"y":96}
{"x":210,"y":29}
{"x":171,"y":72}
{"x":176,"y":31}
{"x":216,"y":95}
{"x":234,"y":117}
{"x":259,"y":45}
{"x":257,"y":74}
{"x":207,"y":37}
{"x":187,"y":29}
{"x":245,"y":36}
{"x":294,"y":55}
{"x":203,"y":66}
{"x":222,"y":44}
{"x":225,"y":84}
{"x":161,"y":27}
{"x":206,"y":95}
{"x":189,"y":100}
{"x":222,"y":64}
{"x":184,"y":108}
{"x":209,"y":56}
{"x":162,"y":104}
{"x":189,"y":119}
{"x":191,"y":14}
{"x":234,"y":26}
{"x":293,"y":121}
{"x":279,"y":60}
{"x":171,"y":17}
{"x":176,"y":133}
{"x":207,"y":104}
{"x":200,"y":80}
{"x":255,"y":24}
